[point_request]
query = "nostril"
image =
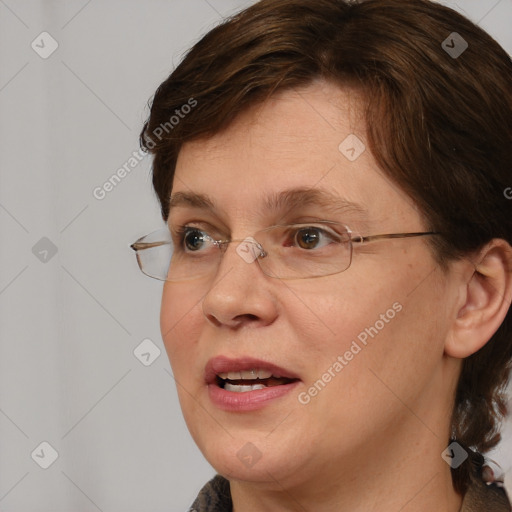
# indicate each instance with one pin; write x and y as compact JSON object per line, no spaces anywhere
{"x":247,"y":316}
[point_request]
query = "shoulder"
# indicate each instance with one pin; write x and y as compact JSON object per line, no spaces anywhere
{"x":482,"y":497}
{"x":214,"y":497}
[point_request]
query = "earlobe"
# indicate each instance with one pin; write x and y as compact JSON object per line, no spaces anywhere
{"x":487,"y":295}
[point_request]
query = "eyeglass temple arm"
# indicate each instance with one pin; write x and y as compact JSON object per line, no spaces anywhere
{"x":391,"y":235}
{"x":139,"y":246}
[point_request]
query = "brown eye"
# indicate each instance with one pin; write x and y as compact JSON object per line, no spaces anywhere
{"x":308,"y":238}
{"x":312,"y":237}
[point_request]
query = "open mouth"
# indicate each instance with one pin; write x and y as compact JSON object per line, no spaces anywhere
{"x":245,"y":384}
{"x":250,"y":380}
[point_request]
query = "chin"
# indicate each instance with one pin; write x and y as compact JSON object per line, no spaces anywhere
{"x":249,"y":464}
{"x":248,"y":455}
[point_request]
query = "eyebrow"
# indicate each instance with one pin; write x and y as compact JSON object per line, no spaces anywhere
{"x":279,"y":202}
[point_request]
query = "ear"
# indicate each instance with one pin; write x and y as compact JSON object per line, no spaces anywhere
{"x":485,"y":297}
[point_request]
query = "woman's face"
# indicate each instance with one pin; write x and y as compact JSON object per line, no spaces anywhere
{"x":364,"y":347}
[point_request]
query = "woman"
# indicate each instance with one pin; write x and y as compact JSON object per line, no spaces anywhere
{"x":337,"y":258}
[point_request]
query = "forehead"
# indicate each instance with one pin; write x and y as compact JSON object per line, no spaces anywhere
{"x":289,"y":151}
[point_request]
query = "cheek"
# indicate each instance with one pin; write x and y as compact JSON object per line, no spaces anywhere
{"x":384,"y":350}
{"x":329,"y":319}
{"x":387,"y":328}
{"x":401,"y":337}
{"x":180,"y":321}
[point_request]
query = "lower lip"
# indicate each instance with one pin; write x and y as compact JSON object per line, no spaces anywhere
{"x":249,"y":400}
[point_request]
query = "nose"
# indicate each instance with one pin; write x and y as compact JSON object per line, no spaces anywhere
{"x":240,"y":292}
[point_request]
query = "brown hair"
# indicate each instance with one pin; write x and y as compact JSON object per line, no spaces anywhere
{"x":438,"y":124}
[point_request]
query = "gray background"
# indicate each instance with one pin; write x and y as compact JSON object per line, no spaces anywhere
{"x":70,"y":321}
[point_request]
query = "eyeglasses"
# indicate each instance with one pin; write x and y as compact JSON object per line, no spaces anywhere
{"x":293,"y":251}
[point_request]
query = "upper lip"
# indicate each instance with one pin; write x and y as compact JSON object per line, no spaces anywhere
{"x":223,"y":364}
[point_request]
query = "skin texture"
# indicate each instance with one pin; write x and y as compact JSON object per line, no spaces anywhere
{"x":372,"y":438}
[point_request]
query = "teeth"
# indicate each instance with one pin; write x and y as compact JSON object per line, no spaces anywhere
{"x":256,"y":374}
{"x":242,"y":388}
{"x":246,"y":375}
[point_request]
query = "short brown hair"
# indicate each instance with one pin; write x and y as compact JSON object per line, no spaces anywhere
{"x":438,"y":124}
